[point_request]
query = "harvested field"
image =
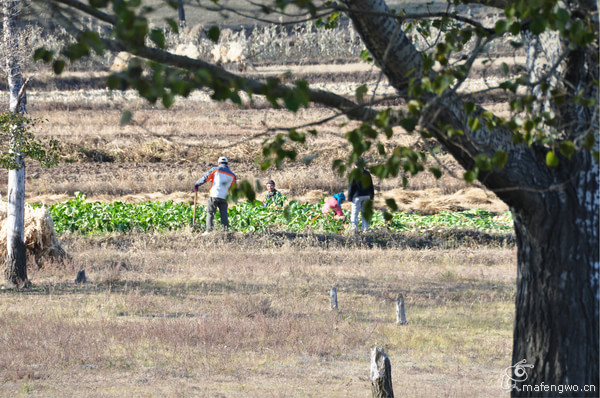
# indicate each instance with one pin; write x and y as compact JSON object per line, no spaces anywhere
{"x":247,"y":315}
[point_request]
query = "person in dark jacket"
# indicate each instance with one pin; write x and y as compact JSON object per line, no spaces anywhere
{"x":360,"y":190}
{"x":221,"y":178}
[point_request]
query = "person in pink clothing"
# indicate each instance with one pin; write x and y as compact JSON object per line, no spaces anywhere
{"x":335,"y":204}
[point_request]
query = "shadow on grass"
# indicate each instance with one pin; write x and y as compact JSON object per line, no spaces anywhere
{"x":381,"y":239}
{"x":145,"y":287}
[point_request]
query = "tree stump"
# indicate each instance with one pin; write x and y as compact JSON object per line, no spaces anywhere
{"x":400,"y":313}
{"x":81,"y":278}
{"x":381,"y":374}
{"x":333,"y":299}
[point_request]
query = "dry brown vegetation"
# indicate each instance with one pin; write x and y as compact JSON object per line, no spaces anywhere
{"x":171,"y":315}
{"x":247,"y":316}
{"x":233,"y":315}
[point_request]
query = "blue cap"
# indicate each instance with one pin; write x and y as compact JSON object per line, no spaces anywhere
{"x":340,"y":196}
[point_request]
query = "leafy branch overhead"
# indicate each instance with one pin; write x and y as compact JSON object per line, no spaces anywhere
{"x":16,"y":135}
{"x":428,"y":79}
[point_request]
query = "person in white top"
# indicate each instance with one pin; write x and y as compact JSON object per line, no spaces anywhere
{"x":222,"y":179}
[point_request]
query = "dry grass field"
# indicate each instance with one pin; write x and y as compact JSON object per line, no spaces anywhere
{"x":179,"y":315}
{"x":232,"y":315}
{"x":172,"y":315}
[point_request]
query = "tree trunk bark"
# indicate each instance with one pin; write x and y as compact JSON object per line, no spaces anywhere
{"x":16,"y":258}
{"x":381,"y":374}
{"x":556,"y":325}
{"x":181,"y":12}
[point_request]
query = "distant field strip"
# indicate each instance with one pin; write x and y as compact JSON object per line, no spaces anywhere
{"x":80,"y":216}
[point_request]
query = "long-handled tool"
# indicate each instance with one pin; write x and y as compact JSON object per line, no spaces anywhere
{"x":194,"y":216}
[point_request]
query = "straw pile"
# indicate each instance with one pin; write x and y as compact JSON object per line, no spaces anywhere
{"x":121,"y":61}
{"x":40,"y":236}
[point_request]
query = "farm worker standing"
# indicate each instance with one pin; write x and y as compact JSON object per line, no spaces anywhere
{"x":335,"y":204}
{"x":273,"y":196}
{"x":359,"y":191}
{"x":222,"y":178}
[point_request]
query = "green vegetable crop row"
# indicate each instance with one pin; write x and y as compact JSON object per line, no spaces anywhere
{"x":78,"y":215}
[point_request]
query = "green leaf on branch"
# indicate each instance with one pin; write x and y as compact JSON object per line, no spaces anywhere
{"x":567,"y":149}
{"x":387,"y":216}
{"x":409,"y":124}
{"x":213,"y":34}
{"x":43,"y":55}
{"x":361,"y":91}
{"x":157,"y":36}
{"x":366,"y":56}
{"x":168,"y":99}
{"x":244,"y":188}
{"x":437,"y":173}
{"x":368,"y":209}
{"x":391,"y":203}
{"x":538,"y":25}
{"x":76,"y":51}
{"x":296,"y":136}
{"x":590,"y":141}
{"x":474,"y":123}
{"x":483,"y":162}
{"x":173,"y":25}
{"x":58,"y":66}
{"x":501,"y":26}
{"x":470,"y":107}
{"x":470,"y":175}
{"x":551,"y":159}
{"x":126,"y":117}
{"x":499,"y":159}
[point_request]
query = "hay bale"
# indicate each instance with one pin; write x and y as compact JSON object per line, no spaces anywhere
{"x":227,"y":53}
{"x":195,"y":33}
{"x":40,"y":237}
{"x":187,"y":50}
{"x":121,"y":61}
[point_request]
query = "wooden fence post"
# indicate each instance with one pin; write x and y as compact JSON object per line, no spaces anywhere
{"x":400,"y":313}
{"x":381,"y":374}
{"x":333,"y":299}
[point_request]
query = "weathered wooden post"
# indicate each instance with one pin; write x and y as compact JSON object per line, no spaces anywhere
{"x":81,"y":278}
{"x":333,"y":299}
{"x":400,"y":313}
{"x":381,"y":374}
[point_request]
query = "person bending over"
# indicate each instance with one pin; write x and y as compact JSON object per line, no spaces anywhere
{"x":335,"y":204}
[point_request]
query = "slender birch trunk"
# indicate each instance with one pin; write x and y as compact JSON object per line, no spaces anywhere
{"x":16,"y":264}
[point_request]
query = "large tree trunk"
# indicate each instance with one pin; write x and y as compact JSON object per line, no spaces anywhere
{"x":556,"y":222}
{"x":16,"y":260}
{"x":556,"y":325}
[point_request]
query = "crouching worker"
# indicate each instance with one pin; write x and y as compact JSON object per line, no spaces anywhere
{"x":335,"y":204}
{"x":222,"y":178}
{"x":273,"y":197}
